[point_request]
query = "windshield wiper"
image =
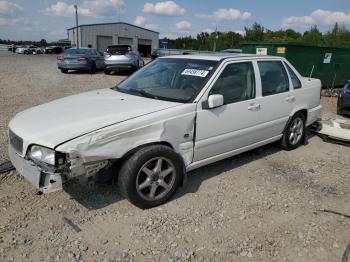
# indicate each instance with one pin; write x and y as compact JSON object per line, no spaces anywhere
{"x":134,"y":90}
{"x":141,"y":92}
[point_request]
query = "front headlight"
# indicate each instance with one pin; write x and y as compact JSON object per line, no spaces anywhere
{"x":42,"y":154}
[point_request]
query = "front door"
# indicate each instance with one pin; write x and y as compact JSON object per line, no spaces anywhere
{"x":233,"y":125}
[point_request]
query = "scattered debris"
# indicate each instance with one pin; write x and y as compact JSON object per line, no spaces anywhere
{"x":6,"y":167}
{"x":334,"y":212}
{"x":72,"y":224}
{"x":346,"y":254}
{"x":333,"y":130}
{"x":332,"y":92}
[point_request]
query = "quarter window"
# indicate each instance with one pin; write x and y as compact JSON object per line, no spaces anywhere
{"x":274,"y":78}
{"x":295,"y":80}
{"x":236,"y":83}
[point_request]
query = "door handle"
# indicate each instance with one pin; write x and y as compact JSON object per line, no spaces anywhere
{"x":290,"y":98}
{"x":254,"y":107}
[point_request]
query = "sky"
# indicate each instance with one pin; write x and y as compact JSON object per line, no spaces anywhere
{"x":49,"y":19}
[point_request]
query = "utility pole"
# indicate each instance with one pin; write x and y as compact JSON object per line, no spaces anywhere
{"x":76,"y":23}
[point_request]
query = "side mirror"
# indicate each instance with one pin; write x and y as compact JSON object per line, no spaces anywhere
{"x":215,"y":101}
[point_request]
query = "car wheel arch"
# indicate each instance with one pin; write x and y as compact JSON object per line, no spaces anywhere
{"x":302,"y":110}
{"x":164,"y":143}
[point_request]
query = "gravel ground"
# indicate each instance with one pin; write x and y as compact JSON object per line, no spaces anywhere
{"x":262,"y":205}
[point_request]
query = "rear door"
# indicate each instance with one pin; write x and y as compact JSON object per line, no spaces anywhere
{"x":276,"y":100}
{"x":233,"y":125}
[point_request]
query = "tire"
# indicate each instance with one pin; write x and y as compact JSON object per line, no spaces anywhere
{"x":93,"y":68}
{"x":64,"y":71}
{"x":150,"y":176}
{"x":107,"y":72}
{"x":294,"y":133}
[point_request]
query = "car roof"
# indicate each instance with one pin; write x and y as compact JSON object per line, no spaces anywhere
{"x":218,"y":56}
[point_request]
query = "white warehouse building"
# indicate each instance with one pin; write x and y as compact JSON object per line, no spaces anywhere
{"x":100,"y":36}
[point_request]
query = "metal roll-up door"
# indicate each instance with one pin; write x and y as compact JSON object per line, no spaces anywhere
{"x":103,"y":42}
{"x":124,"y":41}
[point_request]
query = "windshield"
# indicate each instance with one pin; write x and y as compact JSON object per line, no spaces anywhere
{"x":118,"y":49}
{"x":170,"y":79}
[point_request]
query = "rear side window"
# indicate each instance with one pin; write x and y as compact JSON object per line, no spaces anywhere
{"x":274,"y":78}
{"x":236,"y":83}
{"x":295,"y":80}
{"x":76,"y":51}
{"x":119,"y":49}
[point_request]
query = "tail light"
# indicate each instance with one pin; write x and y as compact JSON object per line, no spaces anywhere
{"x":82,"y":58}
{"x":60,"y":57}
{"x":130,"y":53}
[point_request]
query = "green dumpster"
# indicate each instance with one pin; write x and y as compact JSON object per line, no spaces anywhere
{"x":330,"y":64}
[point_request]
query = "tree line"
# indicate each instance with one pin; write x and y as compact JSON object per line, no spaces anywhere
{"x":338,"y":36}
{"x":42,"y":42}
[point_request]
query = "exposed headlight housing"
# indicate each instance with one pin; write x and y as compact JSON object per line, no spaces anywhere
{"x":42,"y":154}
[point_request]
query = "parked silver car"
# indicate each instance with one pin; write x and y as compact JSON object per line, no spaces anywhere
{"x":80,"y":59}
{"x":122,"y":57}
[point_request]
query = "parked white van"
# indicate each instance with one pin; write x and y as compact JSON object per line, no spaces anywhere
{"x":176,"y":114}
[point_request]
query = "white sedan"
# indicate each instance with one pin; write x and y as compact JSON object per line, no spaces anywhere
{"x":176,"y":114}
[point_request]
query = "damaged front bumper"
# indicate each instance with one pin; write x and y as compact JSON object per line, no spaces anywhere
{"x":51,"y":179}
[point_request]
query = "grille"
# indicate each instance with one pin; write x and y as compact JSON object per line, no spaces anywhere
{"x":16,"y":142}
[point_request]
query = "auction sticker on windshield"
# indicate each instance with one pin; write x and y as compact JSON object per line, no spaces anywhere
{"x":195,"y":72}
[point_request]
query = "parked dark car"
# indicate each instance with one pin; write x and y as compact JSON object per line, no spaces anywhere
{"x":87,"y":59}
{"x":343,"y":105}
{"x":53,"y":50}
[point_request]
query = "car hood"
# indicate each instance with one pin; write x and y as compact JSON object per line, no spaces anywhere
{"x":61,"y":120}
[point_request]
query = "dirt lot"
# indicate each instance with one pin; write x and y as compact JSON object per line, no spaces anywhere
{"x":259,"y":206}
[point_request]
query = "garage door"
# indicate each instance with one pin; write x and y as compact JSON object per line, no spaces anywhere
{"x":124,"y":41}
{"x":145,"y":47}
{"x":103,"y":42}
{"x":145,"y":41}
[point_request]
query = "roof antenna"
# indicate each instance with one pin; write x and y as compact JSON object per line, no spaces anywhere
{"x":312,"y":71}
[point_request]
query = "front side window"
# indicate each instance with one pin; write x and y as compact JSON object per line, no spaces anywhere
{"x":295,"y":80}
{"x":236,"y":83}
{"x":274,"y":78}
{"x":172,"y":79}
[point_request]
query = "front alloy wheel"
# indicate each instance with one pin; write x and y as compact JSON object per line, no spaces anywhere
{"x":155,"y":178}
{"x":150,"y":176}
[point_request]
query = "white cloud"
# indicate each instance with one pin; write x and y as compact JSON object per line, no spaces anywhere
{"x":169,"y":8}
{"x":63,"y":9}
{"x":183,"y":25}
{"x":318,"y":17}
{"x":299,"y":21}
{"x":330,"y":18}
{"x":103,"y":5}
{"x":168,"y":36}
{"x":226,"y":14}
{"x":152,"y":26}
{"x":241,"y":32}
{"x":94,"y":8}
{"x":8,"y":8}
{"x":139,"y":21}
{"x":207,"y":30}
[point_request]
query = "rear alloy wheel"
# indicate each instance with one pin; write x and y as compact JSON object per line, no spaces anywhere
{"x":150,"y":176}
{"x":294,"y":133}
{"x":64,"y":71}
